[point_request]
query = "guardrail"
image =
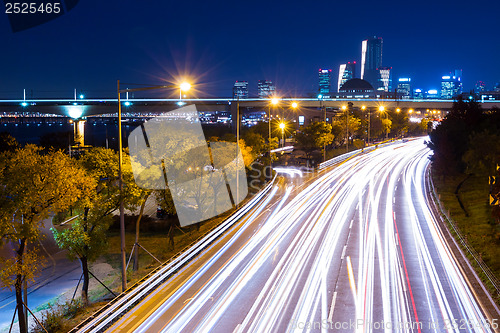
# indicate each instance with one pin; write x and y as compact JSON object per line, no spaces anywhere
{"x":116,"y":308}
{"x":277,"y":150}
{"x":343,"y":157}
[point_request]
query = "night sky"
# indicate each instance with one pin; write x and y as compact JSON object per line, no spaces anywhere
{"x":215,"y":43}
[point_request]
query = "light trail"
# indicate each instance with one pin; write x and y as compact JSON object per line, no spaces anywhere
{"x":356,"y":249}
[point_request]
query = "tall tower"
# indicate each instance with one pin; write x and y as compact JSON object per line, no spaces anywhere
{"x":265,"y":88}
{"x":371,"y":59}
{"x":240,"y":90}
{"x":451,"y":85}
{"x":324,"y":81}
{"x":346,"y":72}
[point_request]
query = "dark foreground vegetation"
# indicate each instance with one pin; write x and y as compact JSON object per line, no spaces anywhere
{"x":466,"y":148}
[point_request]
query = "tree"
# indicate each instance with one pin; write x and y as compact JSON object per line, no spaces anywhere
{"x":400,"y":122}
{"x":449,"y":140}
{"x":86,"y":237}
{"x":314,"y":136}
{"x":483,"y":152}
{"x":353,"y":125}
{"x":7,"y":142}
{"x":32,"y":186}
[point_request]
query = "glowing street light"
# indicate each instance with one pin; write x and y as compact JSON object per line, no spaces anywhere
{"x":295,"y":105}
{"x":363,"y":107}
{"x":344,"y":107}
{"x":282,"y":126}
{"x":410,"y":111}
{"x":182,"y":87}
{"x":382,"y":109}
{"x":185,"y":86}
{"x":398,"y":110}
{"x":272,"y":103}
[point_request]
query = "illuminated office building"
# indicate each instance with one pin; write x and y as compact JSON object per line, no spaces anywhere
{"x":404,"y":87}
{"x":240,"y":90}
{"x":480,"y":87}
{"x":325,"y":81}
{"x":451,"y":85}
{"x":371,"y":59}
{"x":346,"y":72}
{"x":384,"y":81}
{"x":265,"y":88}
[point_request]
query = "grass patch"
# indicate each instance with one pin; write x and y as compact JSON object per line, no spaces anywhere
{"x":479,"y":227}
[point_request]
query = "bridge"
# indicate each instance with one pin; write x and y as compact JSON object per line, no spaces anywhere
{"x":309,"y":107}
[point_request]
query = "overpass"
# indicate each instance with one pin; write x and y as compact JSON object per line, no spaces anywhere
{"x":150,"y":107}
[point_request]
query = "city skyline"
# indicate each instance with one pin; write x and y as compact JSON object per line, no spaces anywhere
{"x":146,"y":44}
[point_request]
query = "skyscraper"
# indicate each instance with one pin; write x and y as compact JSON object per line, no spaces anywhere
{"x":451,"y":85}
{"x":346,"y":72}
{"x":371,"y":59}
{"x":324,"y":81}
{"x":480,"y":87}
{"x":404,"y":87}
{"x":384,"y":81}
{"x":265,"y":88}
{"x":240,"y":90}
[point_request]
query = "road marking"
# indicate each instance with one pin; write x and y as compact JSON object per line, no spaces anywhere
{"x":352,"y":282}
{"x":330,"y":315}
{"x":402,"y":278}
{"x":237,"y":328}
{"x":343,"y":252}
{"x":128,"y":321}
{"x":350,"y":226}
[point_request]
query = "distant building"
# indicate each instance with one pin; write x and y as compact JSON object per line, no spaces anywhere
{"x":324,"y":81}
{"x":265,"y":88}
{"x":240,"y":90}
{"x":371,"y":59}
{"x":384,"y":81}
{"x":497,"y":87}
{"x":356,"y":88}
{"x":432,"y":94}
{"x":346,"y":72}
{"x":451,"y":85}
{"x":404,"y":87}
{"x":418,"y":94}
{"x":480,"y":87}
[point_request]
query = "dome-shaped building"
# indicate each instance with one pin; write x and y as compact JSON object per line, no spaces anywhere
{"x":356,"y":88}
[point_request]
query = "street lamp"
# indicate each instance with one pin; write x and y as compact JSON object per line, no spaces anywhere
{"x":183,"y":87}
{"x":363,"y":108}
{"x":282,"y":126}
{"x":346,"y":127}
{"x":273,"y":102}
{"x":381,"y":108}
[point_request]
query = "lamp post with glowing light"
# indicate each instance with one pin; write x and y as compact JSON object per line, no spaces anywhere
{"x":183,"y":87}
{"x":346,"y":127}
{"x":294,"y":106}
{"x":381,"y":108}
{"x":273,"y":102}
{"x":282,"y":127}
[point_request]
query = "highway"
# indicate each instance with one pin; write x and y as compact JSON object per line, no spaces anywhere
{"x":354,"y":248}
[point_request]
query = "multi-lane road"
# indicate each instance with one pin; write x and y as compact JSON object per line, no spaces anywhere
{"x":355,"y":248}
